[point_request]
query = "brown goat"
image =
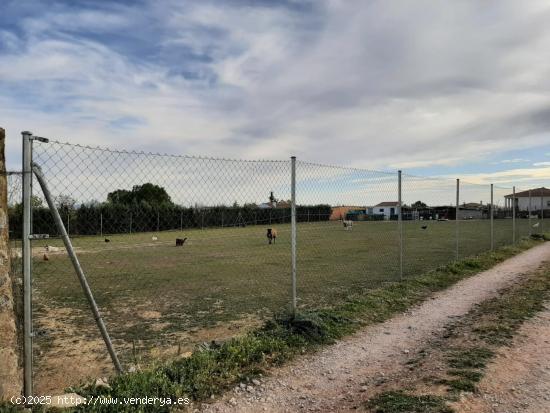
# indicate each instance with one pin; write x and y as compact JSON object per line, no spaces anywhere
{"x":271,"y":235}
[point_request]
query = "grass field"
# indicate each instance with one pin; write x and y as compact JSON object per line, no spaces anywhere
{"x":153,"y":292}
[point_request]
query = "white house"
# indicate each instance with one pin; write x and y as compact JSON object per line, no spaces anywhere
{"x":386,"y":208}
{"x":537,"y":197}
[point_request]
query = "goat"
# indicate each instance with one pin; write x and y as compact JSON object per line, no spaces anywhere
{"x":348,"y":224}
{"x":271,"y":235}
{"x":180,"y":242}
{"x":49,"y":248}
{"x":45,"y":257}
{"x":107,"y":240}
{"x":154,"y":238}
{"x":424,"y":226}
{"x":536,"y":225}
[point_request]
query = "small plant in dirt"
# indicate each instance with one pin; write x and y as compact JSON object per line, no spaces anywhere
{"x":400,"y":402}
{"x":471,"y":358}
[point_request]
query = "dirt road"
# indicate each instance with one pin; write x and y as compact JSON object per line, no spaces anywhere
{"x":519,"y":378}
{"x":340,"y":377}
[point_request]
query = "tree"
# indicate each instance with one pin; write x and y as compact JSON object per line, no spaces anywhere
{"x":64,"y":202}
{"x":419,"y":205}
{"x":148,"y":193}
{"x":36,"y":201}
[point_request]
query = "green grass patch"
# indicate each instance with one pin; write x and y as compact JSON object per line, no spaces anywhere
{"x":473,"y":376}
{"x":471,"y":358}
{"x":458,"y":385}
{"x":400,"y":402}
{"x":212,"y":370}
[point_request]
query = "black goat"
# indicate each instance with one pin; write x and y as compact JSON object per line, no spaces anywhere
{"x":180,"y":241}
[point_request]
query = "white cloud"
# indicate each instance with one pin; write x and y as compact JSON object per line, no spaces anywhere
{"x":368,"y":84}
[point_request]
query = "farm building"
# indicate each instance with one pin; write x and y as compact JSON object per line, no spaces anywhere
{"x":522,"y":200}
{"x":388,"y":209}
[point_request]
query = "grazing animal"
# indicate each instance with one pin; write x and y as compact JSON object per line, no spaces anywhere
{"x":536,"y":225}
{"x":107,"y":240}
{"x":49,"y":248}
{"x":180,"y":241}
{"x":424,"y":226}
{"x":348,"y":224}
{"x":154,"y":238}
{"x":271,"y":235}
{"x":46,"y":257}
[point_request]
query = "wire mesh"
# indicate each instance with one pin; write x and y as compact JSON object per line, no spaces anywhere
{"x":180,"y":250}
{"x":503,"y":227}
{"x":174,"y":248}
{"x":351,"y":242}
{"x":428,"y":223}
{"x":474,"y":216}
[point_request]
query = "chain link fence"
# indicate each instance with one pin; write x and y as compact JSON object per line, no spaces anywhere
{"x":182,"y":250}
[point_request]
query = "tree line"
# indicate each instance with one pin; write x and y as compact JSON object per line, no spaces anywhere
{"x":148,"y":208}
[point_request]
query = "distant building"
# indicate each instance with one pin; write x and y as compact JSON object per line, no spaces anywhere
{"x":388,"y":209}
{"x":521,"y":200}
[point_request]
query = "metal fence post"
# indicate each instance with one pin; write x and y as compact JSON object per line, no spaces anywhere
{"x":513,"y":215}
{"x":400,"y":224}
{"x":101,"y":224}
{"x":77,"y":267}
{"x":529,"y":212}
{"x":541,"y":211}
{"x":130,"y":222}
{"x":181,"y":220}
{"x":492,"y":223}
{"x":158,"y":221}
{"x":293,"y":230}
{"x":457,"y":216}
{"x":27,"y":262}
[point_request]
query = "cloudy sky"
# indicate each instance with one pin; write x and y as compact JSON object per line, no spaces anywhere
{"x":433,"y":87}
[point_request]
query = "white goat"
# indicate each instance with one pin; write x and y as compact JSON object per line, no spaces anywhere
{"x":348,"y":224}
{"x":154,"y":238}
{"x":49,"y":248}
